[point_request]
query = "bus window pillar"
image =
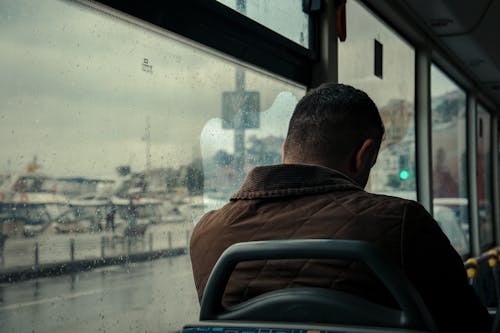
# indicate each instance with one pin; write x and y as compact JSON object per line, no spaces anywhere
{"x":472,"y":173}
{"x":423,"y":126}
{"x":326,"y":70}
{"x":495,"y":175}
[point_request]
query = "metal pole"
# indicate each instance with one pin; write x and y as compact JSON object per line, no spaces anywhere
{"x":36,"y":254}
{"x":423,"y":126}
{"x":72,"y":249}
{"x":472,"y":174}
{"x":103,"y":243}
{"x":239,"y":128}
{"x":150,"y":242}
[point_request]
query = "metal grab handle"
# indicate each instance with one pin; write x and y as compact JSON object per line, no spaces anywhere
{"x":412,"y":306}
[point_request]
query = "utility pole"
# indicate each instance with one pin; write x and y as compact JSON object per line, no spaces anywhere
{"x":147,"y":138}
{"x":239,"y":126}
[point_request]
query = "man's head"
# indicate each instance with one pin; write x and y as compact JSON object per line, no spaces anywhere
{"x":336,"y":126}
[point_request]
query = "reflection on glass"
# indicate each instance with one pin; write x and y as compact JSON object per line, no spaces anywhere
{"x":393,"y":93}
{"x":284,"y":17}
{"x":484,"y":178}
{"x":232,"y":148}
{"x":449,"y":167}
{"x":101,"y":123}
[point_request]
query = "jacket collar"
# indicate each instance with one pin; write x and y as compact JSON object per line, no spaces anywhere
{"x":291,"y":180}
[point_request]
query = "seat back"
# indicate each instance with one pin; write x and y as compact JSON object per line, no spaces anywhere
{"x":315,"y":304}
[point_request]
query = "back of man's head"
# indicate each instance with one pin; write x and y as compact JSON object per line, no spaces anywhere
{"x":330,"y":124}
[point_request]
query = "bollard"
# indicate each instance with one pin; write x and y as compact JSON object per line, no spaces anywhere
{"x":150,"y":242}
{"x":169,"y":235}
{"x":103,"y":243}
{"x":72,"y":249}
{"x":36,"y":257}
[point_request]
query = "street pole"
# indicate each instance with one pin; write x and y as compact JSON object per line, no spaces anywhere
{"x":72,"y":249}
{"x":36,"y":254}
{"x":239,"y":126}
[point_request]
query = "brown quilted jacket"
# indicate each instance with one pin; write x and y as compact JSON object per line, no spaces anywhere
{"x":307,"y":202}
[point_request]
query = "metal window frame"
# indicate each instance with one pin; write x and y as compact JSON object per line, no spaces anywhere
{"x":472,"y":172}
{"x":495,"y":121}
{"x":491,"y":166}
{"x":423,"y":127}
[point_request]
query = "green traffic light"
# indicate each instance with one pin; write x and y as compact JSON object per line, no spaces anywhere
{"x":403,"y":175}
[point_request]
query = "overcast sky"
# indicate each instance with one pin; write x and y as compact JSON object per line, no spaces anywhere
{"x":74,"y":93}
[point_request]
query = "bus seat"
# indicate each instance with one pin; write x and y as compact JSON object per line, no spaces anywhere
{"x":313,"y":306}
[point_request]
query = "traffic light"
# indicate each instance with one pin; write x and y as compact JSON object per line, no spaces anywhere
{"x":404,"y":167}
{"x":404,"y":174}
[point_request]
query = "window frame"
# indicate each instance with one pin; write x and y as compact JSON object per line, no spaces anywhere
{"x":490,"y":165}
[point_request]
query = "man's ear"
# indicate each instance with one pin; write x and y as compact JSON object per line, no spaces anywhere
{"x":365,"y":156}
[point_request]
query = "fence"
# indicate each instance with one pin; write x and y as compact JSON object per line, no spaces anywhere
{"x":85,"y":251}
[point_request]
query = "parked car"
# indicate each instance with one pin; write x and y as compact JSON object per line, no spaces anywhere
{"x":30,"y":216}
{"x":83,"y":215}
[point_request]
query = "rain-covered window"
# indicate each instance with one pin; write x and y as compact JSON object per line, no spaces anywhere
{"x":285,"y":17}
{"x":375,"y":59}
{"x":449,"y":159}
{"x":115,"y":138}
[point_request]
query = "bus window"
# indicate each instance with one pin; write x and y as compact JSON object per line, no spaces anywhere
{"x":449,"y":161}
{"x":392,"y":89}
{"x":284,"y":17}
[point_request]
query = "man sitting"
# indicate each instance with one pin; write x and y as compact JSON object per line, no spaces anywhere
{"x":332,"y":143}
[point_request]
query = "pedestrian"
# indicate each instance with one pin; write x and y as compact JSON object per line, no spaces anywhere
{"x":110,"y":217}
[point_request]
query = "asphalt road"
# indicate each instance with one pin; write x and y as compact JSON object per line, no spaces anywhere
{"x":156,"y":296}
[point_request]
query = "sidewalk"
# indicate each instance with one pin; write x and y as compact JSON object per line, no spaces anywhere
{"x":70,"y":251}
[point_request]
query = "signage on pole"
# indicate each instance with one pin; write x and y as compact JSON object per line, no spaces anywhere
{"x":243,"y":106}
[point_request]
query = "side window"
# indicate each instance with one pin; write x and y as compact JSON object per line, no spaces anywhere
{"x":449,"y":160}
{"x":115,"y":138}
{"x":375,"y":59}
{"x":284,"y":17}
{"x":484,"y":178}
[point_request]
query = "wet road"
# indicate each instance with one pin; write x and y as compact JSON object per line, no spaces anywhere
{"x":156,"y":296}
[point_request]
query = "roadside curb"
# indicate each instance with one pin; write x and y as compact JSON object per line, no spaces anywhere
{"x":68,"y":267}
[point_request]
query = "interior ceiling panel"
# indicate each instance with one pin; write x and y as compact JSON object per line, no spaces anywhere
{"x":469,"y":29}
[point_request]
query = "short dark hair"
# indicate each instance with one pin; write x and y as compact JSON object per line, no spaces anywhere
{"x":330,"y":122}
